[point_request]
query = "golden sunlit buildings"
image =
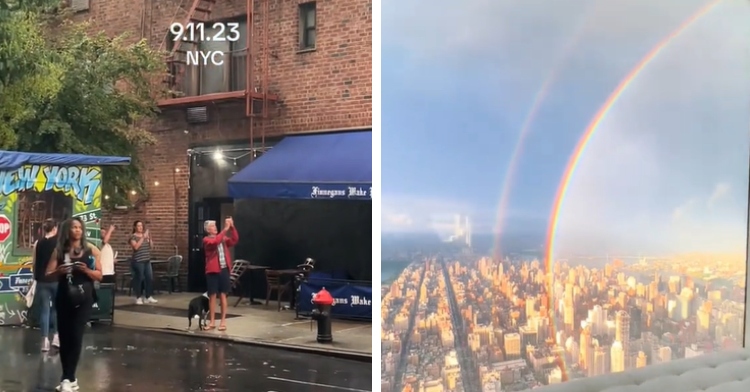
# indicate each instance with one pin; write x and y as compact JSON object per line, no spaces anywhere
{"x":512,"y":346}
{"x":603,"y":320}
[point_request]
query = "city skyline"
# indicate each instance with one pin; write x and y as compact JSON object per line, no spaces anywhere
{"x":676,"y":188}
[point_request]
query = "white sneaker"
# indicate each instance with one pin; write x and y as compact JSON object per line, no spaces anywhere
{"x":45,"y":345}
{"x":56,"y":341}
{"x":151,"y":300}
{"x":139,"y":301}
{"x":67,"y":386}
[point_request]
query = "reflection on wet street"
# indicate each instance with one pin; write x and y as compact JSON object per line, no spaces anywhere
{"x":117,"y":359}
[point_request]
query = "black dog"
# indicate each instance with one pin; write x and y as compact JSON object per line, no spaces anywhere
{"x":198,"y":308}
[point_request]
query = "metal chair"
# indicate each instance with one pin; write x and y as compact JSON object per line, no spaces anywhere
{"x":173,"y":273}
{"x":273,"y":283}
{"x":126,"y":277}
{"x":235,"y":278}
{"x":305,"y":269}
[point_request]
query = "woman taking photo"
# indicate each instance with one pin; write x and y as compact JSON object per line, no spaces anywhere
{"x":75,"y":265}
{"x":143,"y":274}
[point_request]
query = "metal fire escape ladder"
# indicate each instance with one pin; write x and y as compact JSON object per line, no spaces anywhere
{"x":199,"y":12}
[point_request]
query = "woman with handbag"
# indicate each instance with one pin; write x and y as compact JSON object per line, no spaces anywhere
{"x":76,"y":266}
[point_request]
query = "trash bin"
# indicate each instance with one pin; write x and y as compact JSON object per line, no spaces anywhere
{"x":104,"y":308}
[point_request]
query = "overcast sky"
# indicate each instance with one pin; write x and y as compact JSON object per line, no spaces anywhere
{"x":667,"y":169}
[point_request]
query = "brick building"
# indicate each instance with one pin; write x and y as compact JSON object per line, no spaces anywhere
{"x":311,"y":72}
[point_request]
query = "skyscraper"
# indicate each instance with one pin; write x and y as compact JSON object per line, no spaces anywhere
{"x":467,"y":232}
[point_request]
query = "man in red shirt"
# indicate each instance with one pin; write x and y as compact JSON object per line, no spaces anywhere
{"x":218,"y":264}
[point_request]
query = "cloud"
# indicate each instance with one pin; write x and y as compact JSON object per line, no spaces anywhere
{"x":405,"y":213}
{"x":721,"y":190}
{"x":683,"y":209}
{"x":526,"y":35}
{"x":415,"y":214}
{"x":399,"y":220}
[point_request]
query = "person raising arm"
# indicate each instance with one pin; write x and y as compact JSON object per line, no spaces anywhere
{"x":218,"y":264}
{"x":143,"y":273}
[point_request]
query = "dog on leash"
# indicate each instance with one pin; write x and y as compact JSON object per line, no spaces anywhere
{"x":198,"y":309}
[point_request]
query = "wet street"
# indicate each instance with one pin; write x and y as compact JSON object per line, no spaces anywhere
{"x":126,"y":360}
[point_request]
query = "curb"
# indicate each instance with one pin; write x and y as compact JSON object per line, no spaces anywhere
{"x":332,"y":352}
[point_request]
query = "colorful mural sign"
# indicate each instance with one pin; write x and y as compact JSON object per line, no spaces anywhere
{"x":28,"y":197}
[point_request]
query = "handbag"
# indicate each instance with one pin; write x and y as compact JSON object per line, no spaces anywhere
{"x":76,"y":293}
{"x":30,"y":295}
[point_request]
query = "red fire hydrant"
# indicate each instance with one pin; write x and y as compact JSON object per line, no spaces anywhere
{"x":322,"y":313}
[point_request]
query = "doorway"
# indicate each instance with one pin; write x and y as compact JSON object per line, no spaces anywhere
{"x":211,"y":208}
{"x":211,"y":167}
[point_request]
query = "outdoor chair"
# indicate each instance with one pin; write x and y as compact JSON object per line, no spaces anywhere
{"x":273,"y":283}
{"x":126,"y":277}
{"x":172,"y":276}
{"x":235,"y":278}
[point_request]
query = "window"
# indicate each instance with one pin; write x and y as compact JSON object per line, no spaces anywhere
{"x":208,"y":78}
{"x":307,"y":26}
{"x":80,"y":5}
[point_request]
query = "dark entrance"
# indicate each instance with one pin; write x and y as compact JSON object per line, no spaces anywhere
{"x":210,"y":168}
{"x":202,"y":211}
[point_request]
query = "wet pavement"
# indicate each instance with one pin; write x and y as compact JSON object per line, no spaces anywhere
{"x":116,"y":359}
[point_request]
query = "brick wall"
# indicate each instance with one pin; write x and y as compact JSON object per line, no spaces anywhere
{"x":329,"y":88}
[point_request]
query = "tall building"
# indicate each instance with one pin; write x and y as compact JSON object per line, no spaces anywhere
{"x":586,"y":358}
{"x":622,"y":330}
{"x":598,"y":316}
{"x":451,"y":370}
{"x":461,"y":230}
{"x":601,"y":361}
{"x":617,"y":355}
{"x":512,"y":346}
{"x":467,"y":232}
{"x":642,"y":360}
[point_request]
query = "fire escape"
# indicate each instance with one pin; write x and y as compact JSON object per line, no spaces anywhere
{"x":239,"y":81}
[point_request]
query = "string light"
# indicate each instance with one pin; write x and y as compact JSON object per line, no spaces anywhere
{"x":133,"y":192}
{"x":156,"y":183}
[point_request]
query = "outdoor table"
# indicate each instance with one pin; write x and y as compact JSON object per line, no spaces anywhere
{"x":254,"y":268}
{"x":289,"y":272}
{"x":293,"y":272}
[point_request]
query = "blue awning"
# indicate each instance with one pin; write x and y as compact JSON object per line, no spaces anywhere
{"x":324,"y":166}
{"x":11,"y":160}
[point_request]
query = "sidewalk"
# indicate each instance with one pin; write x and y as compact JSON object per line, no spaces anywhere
{"x":247,"y":324}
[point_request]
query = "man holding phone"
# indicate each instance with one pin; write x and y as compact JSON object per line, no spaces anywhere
{"x":218,"y":264}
